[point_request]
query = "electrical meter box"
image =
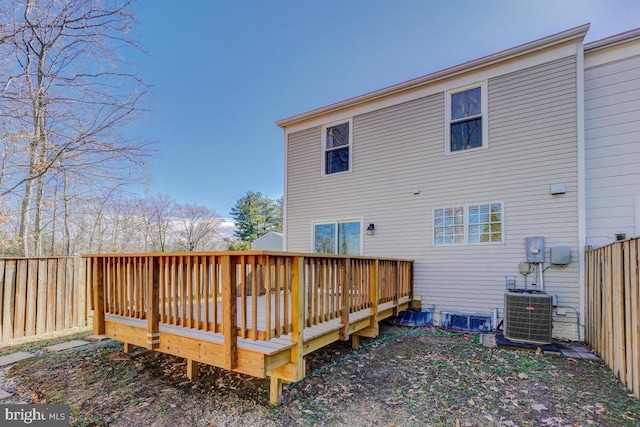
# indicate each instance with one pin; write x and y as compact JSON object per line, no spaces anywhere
{"x":535,"y":249}
{"x":560,"y":255}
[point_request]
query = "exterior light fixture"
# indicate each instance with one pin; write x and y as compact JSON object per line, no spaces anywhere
{"x":370,"y":230}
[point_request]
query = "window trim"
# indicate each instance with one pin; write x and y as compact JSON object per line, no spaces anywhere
{"x":466,"y":225}
{"x":336,"y":222}
{"x":323,"y":146}
{"x":483,"y":116}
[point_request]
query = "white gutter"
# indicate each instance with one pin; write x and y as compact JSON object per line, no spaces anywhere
{"x":612,"y":41}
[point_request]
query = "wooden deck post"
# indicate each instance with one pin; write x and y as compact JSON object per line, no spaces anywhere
{"x":396,"y":296}
{"x":375,"y":288}
{"x":295,"y":370}
{"x":229,"y":312}
{"x":192,"y":369}
{"x":275,"y":391}
{"x":373,"y":329}
{"x":346,"y":300}
{"x":355,"y":341}
{"x":98,"y":295}
{"x":153,"y":302}
{"x":297,"y":315}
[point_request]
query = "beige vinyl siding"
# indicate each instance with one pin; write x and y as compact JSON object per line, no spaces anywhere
{"x":612,"y":149}
{"x":303,"y":165}
{"x":532,"y":144}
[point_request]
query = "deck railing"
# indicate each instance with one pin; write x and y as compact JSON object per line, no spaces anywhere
{"x":220,"y":292}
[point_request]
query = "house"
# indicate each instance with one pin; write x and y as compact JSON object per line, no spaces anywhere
{"x":461,"y":169}
{"x":271,"y":241}
{"x":612,"y":138}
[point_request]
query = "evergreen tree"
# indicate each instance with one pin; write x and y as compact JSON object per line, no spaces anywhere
{"x":255,"y":215}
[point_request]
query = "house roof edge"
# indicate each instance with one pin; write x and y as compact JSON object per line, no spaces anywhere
{"x":617,"y":39}
{"x":545,"y":42}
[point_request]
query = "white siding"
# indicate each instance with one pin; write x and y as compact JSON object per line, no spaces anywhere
{"x":612,"y":144}
{"x":532,"y":144}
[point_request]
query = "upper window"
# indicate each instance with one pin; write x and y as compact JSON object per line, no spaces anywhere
{"x":468,"y":224}
{"x":465,"y":115}
{"x":336,"y":145}
{"x":337,"y":238}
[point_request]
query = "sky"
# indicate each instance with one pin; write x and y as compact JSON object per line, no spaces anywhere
{"x":223,"y":72}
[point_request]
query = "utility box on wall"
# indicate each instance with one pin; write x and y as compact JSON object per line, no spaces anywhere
{"x":560,"y":255}
{"x":535,"y":249}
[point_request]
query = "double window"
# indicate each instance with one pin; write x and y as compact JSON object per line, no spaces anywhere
{"x":468,"y":224}
{"x":336,"y":147}
{"x":339,"y":237}
{"x":466,"y":110}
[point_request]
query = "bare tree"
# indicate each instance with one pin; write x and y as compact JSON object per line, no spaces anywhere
{"x":160,"y":209}
{"x":198,"y":228}
{"x":64,"y":96}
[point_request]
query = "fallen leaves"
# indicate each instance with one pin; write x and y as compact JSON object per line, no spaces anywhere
{"x":411,"y":380}
{"x":539,"y":407}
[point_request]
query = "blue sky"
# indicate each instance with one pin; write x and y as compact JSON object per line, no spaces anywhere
{"x":222,"y":72}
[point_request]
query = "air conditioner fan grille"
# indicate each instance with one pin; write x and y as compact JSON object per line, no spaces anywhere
{"x":528,"y":318}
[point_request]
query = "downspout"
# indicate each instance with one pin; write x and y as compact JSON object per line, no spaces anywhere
{"x":284,"y":190}
{"x":582,"y":228}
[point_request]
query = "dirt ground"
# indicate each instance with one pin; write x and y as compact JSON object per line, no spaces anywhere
{"x":405,"y":377}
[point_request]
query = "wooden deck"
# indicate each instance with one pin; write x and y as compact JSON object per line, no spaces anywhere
{"x":257,"y":313}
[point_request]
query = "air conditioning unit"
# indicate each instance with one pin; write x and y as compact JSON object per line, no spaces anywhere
{"x":528,"y":317}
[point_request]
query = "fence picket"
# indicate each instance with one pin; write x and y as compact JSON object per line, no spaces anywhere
{"x":21,"y":299}
{"x":9,"y":292}
{"x":39,"y":295}
{"x":32,"y":294}
{"x":613,"y":308}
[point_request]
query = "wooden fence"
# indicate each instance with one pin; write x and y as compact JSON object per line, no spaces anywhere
{"x":41,"y":295}
{"x":613,"y":308}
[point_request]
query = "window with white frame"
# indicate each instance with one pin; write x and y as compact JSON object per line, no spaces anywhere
{"x":336,"y":147}
{"x":472,"y":224}
{"x":339,"y":237}
{"x":466,"y":111}
{"x":448,"y":226}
